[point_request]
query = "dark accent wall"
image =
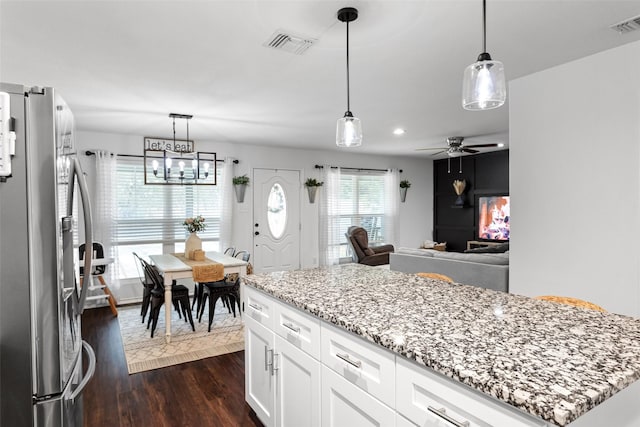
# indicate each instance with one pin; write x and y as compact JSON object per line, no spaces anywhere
{"x":486,"y":175}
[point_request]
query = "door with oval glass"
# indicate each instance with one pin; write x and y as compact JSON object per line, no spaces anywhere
{"x":276,"y":217}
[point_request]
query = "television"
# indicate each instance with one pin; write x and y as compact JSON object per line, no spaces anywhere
{"x":494,"y":218}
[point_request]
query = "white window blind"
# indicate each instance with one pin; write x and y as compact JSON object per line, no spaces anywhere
{"x":154,"y":213}
{"x":362,"y":202}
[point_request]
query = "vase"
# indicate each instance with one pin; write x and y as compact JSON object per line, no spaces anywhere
{"x":312,"y":193}
{"x":240,"y":192}
{"x":459,"y":200}
{"x":192,"y":243}
{"x":403,"y":194}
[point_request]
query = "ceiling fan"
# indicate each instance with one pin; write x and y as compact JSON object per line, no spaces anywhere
{"x":456,"y":147}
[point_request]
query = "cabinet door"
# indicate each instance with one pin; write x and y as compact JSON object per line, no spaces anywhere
{"x":346,"y":405}
{"x":297,"y":387}
{"x":259,"y":380}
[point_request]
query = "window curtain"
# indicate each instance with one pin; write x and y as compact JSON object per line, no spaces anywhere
{"x":391,"y":205}
{"x":329,"y":221}
{"x":104,"y":213}
{"x":226,"y":217}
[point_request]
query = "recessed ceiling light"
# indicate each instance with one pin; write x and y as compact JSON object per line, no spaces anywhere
{"x":398,"y":131}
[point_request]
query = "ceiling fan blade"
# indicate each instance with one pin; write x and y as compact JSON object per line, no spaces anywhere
{"x":482,"y":145}
{"x":468,"y":150}
{"x":432,"y":148}
{"x":442,"y":151}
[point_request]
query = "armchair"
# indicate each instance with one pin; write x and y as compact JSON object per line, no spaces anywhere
{"x":358,"y":240}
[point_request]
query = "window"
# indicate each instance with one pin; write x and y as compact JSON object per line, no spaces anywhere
{"x":148,"y":218}
{"x":362,"y":203}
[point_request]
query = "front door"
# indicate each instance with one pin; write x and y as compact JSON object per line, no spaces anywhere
{"x":276,"y":215}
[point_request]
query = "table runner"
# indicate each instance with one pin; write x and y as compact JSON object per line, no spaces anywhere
{"x":203,"y":271}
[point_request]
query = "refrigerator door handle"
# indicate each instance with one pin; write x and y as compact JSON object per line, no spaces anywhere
{"x":75,"y":170}
{"x":91,"y":369}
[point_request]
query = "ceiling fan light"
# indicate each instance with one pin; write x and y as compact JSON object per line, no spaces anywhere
{"x":349,"y":131}
{"x":484,"y":86}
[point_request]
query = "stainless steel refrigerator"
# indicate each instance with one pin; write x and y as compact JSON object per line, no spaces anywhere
{"x":41,"y":348}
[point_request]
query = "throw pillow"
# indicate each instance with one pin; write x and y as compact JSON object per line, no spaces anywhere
{"x":497,"y":249}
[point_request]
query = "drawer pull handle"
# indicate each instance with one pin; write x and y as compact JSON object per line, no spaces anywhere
{"x":346,"y":358}
{"x":292,"y":327}
{"x":442,"y":413}
{"x":255,"y":306}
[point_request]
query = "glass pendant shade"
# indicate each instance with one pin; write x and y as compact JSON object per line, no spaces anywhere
{"x":484,"y":86}
{"x":349,"y":131}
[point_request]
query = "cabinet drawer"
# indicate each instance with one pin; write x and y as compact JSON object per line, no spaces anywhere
{"x":298,"y":328}
{"x":366,"y":365}
{"x":427,"y":399}
{"x":344,"y":404}
{"x":259,"y":306}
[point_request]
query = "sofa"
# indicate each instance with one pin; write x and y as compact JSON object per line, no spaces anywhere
{"x":486,"y":270}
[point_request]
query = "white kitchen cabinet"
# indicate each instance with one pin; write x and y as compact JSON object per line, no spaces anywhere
{"x":282,"y":382}
{"x":259,"y":381}
{"x":403,"y":422}
{"x":297,"y":386}
{"x":346,"y":405}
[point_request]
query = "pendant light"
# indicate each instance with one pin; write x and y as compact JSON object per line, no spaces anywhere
{"x":349,"y":129}
{"x":484,"y":86}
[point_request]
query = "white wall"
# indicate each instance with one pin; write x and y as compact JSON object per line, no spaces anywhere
{"x":416,"y":214}
{"x":575,"y":181}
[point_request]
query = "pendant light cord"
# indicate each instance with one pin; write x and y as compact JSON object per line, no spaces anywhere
{"x":348,"y":89}
{"x":484,"y":25}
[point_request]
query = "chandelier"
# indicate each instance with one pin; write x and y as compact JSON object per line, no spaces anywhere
{"x":175,"y":161}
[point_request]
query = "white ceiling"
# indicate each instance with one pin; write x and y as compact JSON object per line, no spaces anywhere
{"x":123,"y":66}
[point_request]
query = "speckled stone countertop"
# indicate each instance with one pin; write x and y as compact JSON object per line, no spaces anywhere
{"x":553,"y":361}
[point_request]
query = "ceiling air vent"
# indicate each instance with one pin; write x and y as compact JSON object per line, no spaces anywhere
{"x":627,"y":25}
{"x":283,"y":40}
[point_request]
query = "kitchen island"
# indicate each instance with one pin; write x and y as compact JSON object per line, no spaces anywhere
{"x":540,"y":363}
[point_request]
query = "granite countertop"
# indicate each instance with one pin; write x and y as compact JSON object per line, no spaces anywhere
{"x":551,"y":360}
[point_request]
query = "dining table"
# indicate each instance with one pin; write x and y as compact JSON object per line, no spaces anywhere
{"x":172,"y":268}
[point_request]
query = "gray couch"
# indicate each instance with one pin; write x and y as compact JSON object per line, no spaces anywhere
{"x":487,"y":270}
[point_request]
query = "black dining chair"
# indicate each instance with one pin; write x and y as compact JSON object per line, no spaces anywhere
{"x":244,"y":255}
{"x":179,"y":296}
{"x":147,"y":285}
{"x":231,"y":251}
{"x":220,"y":289}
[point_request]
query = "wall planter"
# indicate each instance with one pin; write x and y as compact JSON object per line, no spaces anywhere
{"x":404,"y":186}
{"x":312,"y":188}
{"x":240,"y":185}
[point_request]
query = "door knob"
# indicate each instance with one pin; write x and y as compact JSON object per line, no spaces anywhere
{"x":256,"y":233}
{"x":256,"y":224}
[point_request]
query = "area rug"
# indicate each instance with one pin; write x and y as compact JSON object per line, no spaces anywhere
{"x":144,"y":353}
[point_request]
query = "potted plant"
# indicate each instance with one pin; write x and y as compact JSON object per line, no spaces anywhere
{"x":404,"y":184}
{"x":312,"y":187}
{"x":240,"y":184}
{"x":193,"y":226}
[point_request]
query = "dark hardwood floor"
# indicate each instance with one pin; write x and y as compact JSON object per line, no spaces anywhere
{"x":208,"y":392}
